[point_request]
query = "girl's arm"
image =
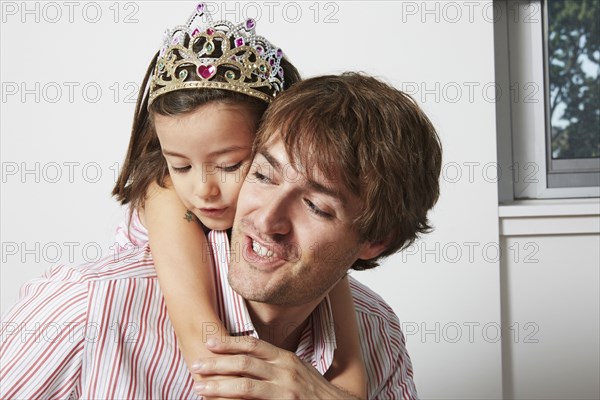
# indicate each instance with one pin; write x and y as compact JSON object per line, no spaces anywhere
{"x":348,"y":368}
{"x":184,"y":267}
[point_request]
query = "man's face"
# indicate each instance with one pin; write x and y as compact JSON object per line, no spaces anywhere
{"x":292,"y":237}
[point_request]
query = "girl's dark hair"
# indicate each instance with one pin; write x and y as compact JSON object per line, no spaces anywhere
{"x":144,"y":162}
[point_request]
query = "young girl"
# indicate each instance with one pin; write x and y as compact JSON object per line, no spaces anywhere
{"x":188,"y":155}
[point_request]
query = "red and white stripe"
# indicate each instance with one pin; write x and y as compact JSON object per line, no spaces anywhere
{"x":101,"y":331}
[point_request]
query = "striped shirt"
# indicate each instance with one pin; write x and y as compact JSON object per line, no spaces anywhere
{"x":101,"y":331}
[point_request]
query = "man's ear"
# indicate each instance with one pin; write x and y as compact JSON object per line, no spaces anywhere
{"x":370,"y":250}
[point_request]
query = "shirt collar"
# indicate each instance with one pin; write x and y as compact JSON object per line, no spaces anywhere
{"x":232,"y":306}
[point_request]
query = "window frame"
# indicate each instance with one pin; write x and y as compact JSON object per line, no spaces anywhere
{"x":522,"y":74}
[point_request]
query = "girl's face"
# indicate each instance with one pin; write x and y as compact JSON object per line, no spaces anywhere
{"x":208,"y":154}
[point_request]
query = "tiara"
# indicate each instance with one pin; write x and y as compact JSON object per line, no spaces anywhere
{"x":217,"y":55}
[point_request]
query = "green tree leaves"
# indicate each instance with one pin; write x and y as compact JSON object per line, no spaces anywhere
{"x":574,"y":71}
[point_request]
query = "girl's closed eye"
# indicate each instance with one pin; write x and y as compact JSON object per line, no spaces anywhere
{"x":230,"y":168}
{"x":181,"y":170}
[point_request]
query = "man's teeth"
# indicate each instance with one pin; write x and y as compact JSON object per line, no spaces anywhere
{"x":260,"y":250}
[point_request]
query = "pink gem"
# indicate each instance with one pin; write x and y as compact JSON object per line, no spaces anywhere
{"x":195,"y":32}
{"x":260,"y":49}
{"x":206,"y":71}
{"x":210,"y":31}
{"x":279,"y":53}
{"x":250,"y":24}
{"x":200,"y":8}
{"x":239,"y":42}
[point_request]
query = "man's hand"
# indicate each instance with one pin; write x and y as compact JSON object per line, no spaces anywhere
{"x":248,"y":368}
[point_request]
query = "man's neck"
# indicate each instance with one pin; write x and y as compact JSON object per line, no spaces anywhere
{"x":282,"y":326}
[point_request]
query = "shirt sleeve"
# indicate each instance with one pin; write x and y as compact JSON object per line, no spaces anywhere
{"x":388,"y":365}
{"x":399,"y":384}
{"x":42,"y":338}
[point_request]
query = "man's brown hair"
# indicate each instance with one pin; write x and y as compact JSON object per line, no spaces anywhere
{"x":372,"y":137}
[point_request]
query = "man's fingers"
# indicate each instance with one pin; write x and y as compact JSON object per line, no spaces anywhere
{"x":249,"y":368}
{"x":240,"y":365}
{"x":236,"y":388}
{"x":243,"y":345}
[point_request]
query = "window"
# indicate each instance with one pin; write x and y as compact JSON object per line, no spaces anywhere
{"x":572,"y":44}
{"x":548,"y":61}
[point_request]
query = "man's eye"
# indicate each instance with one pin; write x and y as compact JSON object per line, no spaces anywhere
{"x":261,"y":178}
{"x":316,"y":210}
{"x":231,"y":168}
{"x":181,"y":170}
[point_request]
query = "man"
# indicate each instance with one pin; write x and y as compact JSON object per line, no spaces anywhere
{"x":345,"y":170}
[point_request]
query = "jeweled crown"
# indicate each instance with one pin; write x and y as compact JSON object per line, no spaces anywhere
{"x":218,"y":55}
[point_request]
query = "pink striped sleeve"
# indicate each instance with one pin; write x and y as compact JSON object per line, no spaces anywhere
{"x":388,"y":365}
{"x":42,"y":339}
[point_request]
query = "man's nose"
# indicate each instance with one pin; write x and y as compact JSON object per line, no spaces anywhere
{"x":274,"y":216}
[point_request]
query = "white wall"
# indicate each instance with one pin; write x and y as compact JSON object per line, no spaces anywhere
{"x":551,"y":299}
{"x":553,"y":313}
{"x":445,"y":289}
